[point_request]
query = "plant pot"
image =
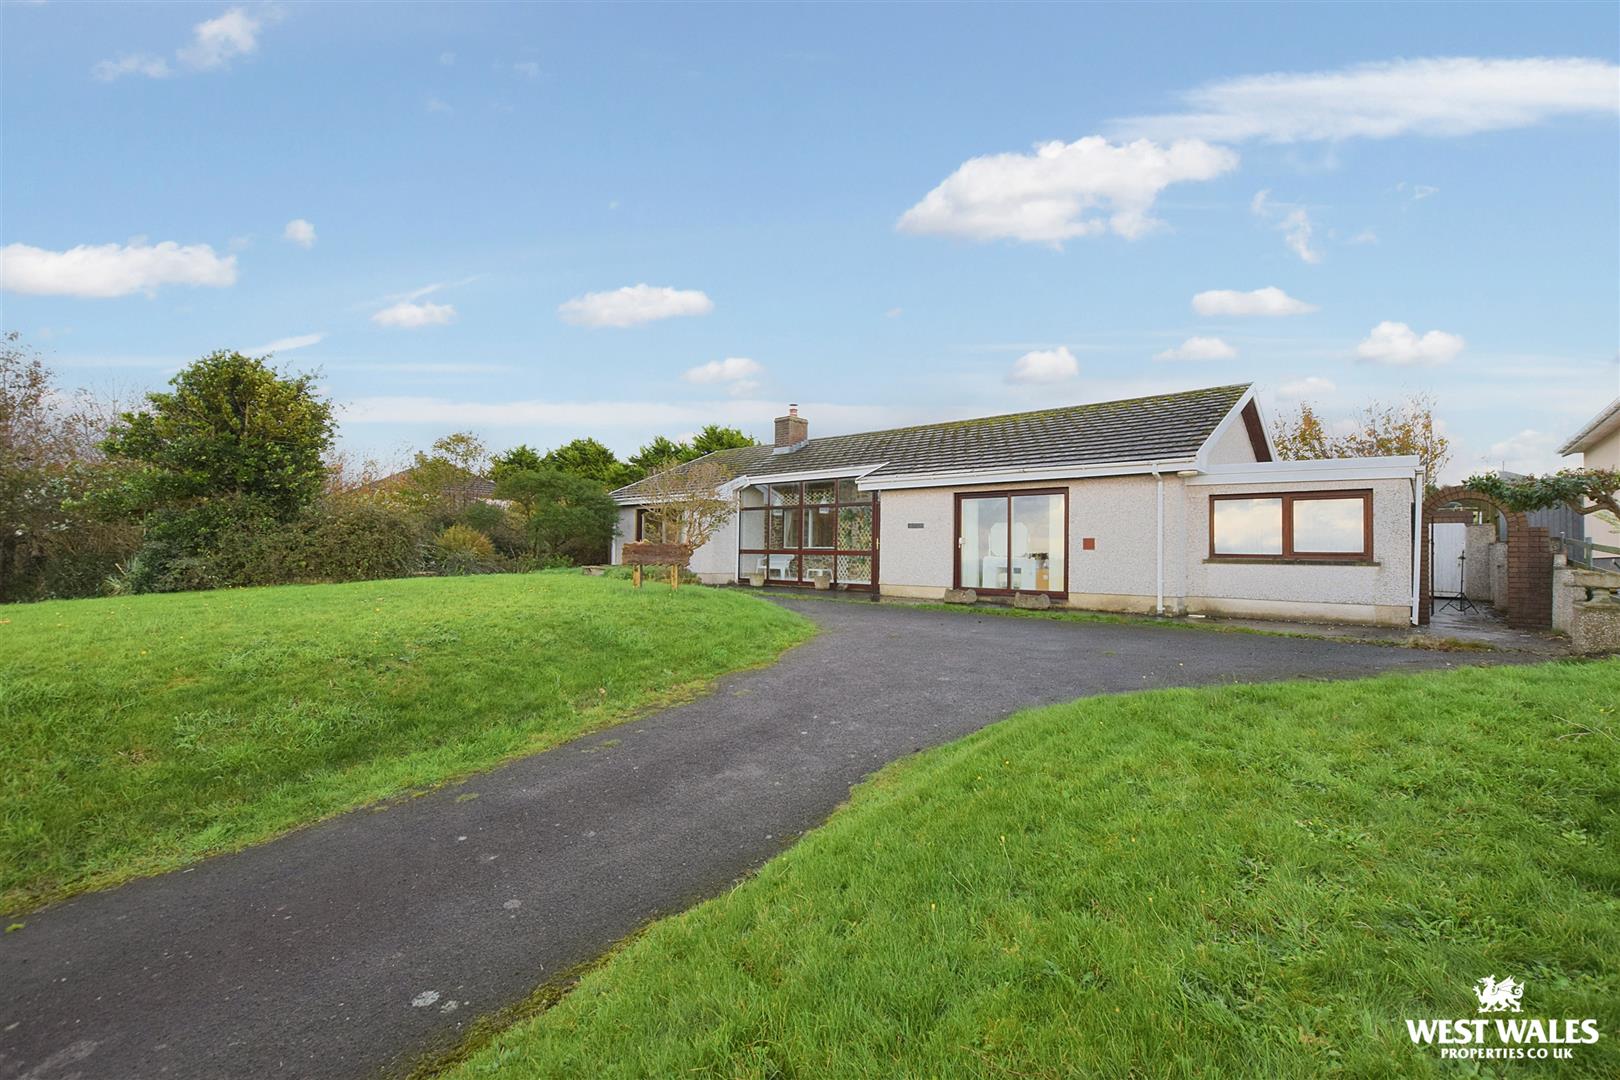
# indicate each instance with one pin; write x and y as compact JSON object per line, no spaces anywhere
{"x":757,"y":580}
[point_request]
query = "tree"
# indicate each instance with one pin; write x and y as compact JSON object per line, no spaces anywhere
{"x":658,"y":454}
{"x":1378,"y":430}
{"x":589,"y":459}
{"x":441,"y":484}
{"x":567,"y":516}
{"x":519,"y":458}
{"x":232,"y":427}
{"x":684,"y":504}
{"x":1574,"y":488}
{"x":714,"y":437}
{"x":49,"y":459}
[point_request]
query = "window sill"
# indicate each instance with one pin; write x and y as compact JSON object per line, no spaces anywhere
{"x":1278,"y":560}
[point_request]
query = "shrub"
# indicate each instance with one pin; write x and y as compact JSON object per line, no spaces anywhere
{"x":365,"y":540}
{"x":463,"y":550}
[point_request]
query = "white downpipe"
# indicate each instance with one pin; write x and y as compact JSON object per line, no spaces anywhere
{"x":1417,"y":542}
{"x":1158,"y":574}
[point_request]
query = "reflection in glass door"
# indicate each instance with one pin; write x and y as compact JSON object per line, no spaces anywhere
{"x":1013,"y":541}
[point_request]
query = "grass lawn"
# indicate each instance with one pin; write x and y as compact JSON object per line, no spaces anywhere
{"x":1255,"y":881}
{"x":140,"y":733}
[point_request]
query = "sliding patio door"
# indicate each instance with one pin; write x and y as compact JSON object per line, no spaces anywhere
{"x":1013,"y":541}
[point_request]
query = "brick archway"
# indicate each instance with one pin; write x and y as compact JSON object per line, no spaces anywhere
{"x":1529,"y":586}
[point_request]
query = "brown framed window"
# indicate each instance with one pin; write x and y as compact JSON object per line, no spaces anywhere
{"x":1295,"y":525}
{"x":1013,"y":541}
{"x":796,"y":533}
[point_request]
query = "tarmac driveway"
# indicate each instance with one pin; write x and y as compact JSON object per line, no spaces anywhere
{"x":359,"y":945}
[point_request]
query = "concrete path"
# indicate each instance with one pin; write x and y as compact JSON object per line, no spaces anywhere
{"x":359,"y":945}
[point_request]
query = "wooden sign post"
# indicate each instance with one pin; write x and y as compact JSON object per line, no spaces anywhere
{"x":641,"y":553}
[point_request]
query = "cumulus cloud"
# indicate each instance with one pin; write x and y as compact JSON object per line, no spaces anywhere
{"x":738,"y":373}
{"x":1269,"y":301}
{"x":1045,"y":366}
{"x":1439,"y":96}
{"x":632,"y":305}
{"x":1310,"y":386}
{"x":214,"y":44}
{"x":108,"y":270}
{"x":299,"y":232}
{"x":1199,"y":348}
{"x":1063,"y":190}
{"x":1398,"y":345}
{"x":411,"y":315}
{"x":288,"y":344}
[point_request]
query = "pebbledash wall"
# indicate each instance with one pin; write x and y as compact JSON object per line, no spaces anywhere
{"x":1120,"y":571}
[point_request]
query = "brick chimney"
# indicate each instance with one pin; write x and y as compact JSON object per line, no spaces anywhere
{"x":792,"y":429}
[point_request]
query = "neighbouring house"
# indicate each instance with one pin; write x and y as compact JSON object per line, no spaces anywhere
{"x":1598,"y":443}
{"x":1173,"y":503}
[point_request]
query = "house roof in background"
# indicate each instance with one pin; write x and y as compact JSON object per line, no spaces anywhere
{"x":1163,"y":427}
{"x":1601,"y":426}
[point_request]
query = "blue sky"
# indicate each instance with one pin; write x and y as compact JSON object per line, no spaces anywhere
{"x":448,"y":209}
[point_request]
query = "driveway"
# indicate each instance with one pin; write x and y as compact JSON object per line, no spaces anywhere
{"x":361,"y":944}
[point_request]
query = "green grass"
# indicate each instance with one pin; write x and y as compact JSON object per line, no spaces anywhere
{"x":1255,"y":881}
{"x":140,"y":733}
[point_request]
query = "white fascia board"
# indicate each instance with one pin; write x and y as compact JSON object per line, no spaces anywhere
{"x":1015,"y":476}
{"x":1293,"y":472}
{"x":1597,"y":429}
{"x":1234,"y":415}
{"x":737,"y":483}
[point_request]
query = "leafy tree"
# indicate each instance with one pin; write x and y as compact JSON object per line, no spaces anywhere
{"x":518,"y":458}
{"x":568,"y":516}
{"x":714,"y":437}
{"x":658,"y":454}
{"x":441,"y":484}
{"x":1378,"y":430}
{"x":589,"y":459}
{"x":232,"y":427}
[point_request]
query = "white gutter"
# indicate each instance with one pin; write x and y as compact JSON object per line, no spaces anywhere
{"x":963,"y":478}
{"x":1158,"y":574}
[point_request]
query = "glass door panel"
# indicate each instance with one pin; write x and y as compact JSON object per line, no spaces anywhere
{"x":1035,"y":558}
{"x":982,"y":547}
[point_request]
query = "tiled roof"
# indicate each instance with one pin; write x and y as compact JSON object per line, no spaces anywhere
{"x":1165,"y":427}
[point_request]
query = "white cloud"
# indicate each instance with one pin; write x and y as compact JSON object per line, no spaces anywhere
{"x":216,"y":42}
{"x":438,"y":106}
{"x":152,"y":67}
{"x":1291,"y":219}
{"x":299,"y":232}
{"x":1063,"y":190}
{"x":447,"y":59}
{"x":529,"y":69}
{"x":894,"y":313}
{"x":633,"y":304}
{"x":1310,"y":386}
{"x":1269,"y":301}
{"x":1440,"y":96}
{"x":1529,"y":451}
{"x":739,"y":373}
{"x":1397,"y":344}
{"x":1199,"y":348}
{"x":406,"y":315}
{"x":1045,"y":366}
{"x":288,"y":344}
{"x":112,"y":269}
{"x":1365,"y":236}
